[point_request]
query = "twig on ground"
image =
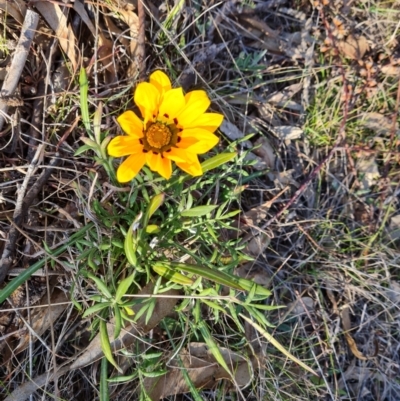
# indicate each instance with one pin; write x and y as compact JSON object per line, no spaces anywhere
{"x":141,"y":49}
{"x":18,"y":62}
{"x":21,"y":208}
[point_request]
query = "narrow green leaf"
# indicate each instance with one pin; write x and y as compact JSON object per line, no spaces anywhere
{"x":123,"y":379}
{"x":104,"y":391}
{"x":106,"y":346}
{"x":152,"y":355}
{"x":130,"y":243}
{"x":123,"y":287}
{"x":155,"y":203}
{"x":83,"y":89}
{"x":156,"y":373}
{"x":198,"y":211}
{"x":97,"y":123}
{"x":118,"y":321}
{"x":278,"y":345}
{"x":82,"y":149}
{"x":217,"y":161}
{"x":218,"y":277}
{"x":19,"y":280}
{"x":213,"y":347}
{"x":171,"y":275}
{"x":152,"y":229}
{"x":101,"y":285}
{"x":96,"y":308}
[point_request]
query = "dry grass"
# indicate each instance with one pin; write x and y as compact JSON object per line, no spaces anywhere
{"x":332,"y":251}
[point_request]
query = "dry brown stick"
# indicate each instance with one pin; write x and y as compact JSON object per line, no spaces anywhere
{"x":141,"y":49}
{"x":18,"y":62}
{"x":21,"y":209}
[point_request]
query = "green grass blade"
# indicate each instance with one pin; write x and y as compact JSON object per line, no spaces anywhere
{"x":123,"y":287}
{"x":96,"y":308}
{"x":217,"y":161}
{"x":106,"y":346}
{"x":84,"y":88}
{"x":213,"y":347}
{"x":199,"y":211}
{"x":219,"y":277}
{"x":104,"y":391}
{"x":19,"y":280}
{"x":278,"y":345}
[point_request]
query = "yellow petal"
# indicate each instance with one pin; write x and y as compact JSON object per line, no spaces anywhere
{"x":165,"y":168}
{"x":124,"y":146}
{"x":193,"y":169}
{"x":161,"y":81}
{"x":205,"y":140}
{"x":159,"y":164}
{"x":208,"y":121}
{"x":173,"y":102}
{"x":197,"y":102}
{"x":130,"y":167}
{"x":152,"y":160}
{"x":147,"y":99}
{"x":131,"y":124}
{"x":177,"y":155}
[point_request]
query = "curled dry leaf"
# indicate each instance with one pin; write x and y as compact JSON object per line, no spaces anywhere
{"x":283,"y":98}
{"x":105,"y":45}
{"x":252,"y":271}
{"x":265,"y":151}
{"x":350,"y":341}
{"x":379,"y":123}
{"x":392,"y":70}
{"x":16,"y":10}
{"x":394,"y":228}
{"x":203,"y":370}
{"x":301,"y":306}
{"x":234,"y":133}
{"x":163,"y":307}
{"x":368,"y":169}
{"x":57,"y":20}
{"x":287,"y":132}
{"x":394,"y":291}
{"x":42,"y":318}
{"x":354,"y":47}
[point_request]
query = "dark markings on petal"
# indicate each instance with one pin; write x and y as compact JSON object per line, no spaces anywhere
{"x":145,"y":151}
{"x":167,"y":151}
{"x":162,"y":156}
{"x":155,"y":153}
{"x":141,"y":141}
{"x":176,"y":121}
{"x":178,"y":139}
{"x":166,"y":115}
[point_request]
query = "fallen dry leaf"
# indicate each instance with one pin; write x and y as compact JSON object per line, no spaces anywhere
{"x":233,"y":133}
{"x":265,"y":151}
{"x":394,"y":292}
{"x":287,"y":132}
{"x":392,"y":70}
{"x":354,"y":47}
{"x":298,"y":307}
{"x":367,"y":167}
{"x":377,"y":122}
{"x":54,"y":16}
{"x":105,"y":46}
{"x":16,"y":10}
{"x":350,"y":341}
{"x":42,"y":318}
{"x":163,"y":307}
{"x":203,"y":370}
{"x":282,"y":98}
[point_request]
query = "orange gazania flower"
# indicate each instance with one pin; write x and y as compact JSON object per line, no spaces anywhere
{"x":175,"y":127}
